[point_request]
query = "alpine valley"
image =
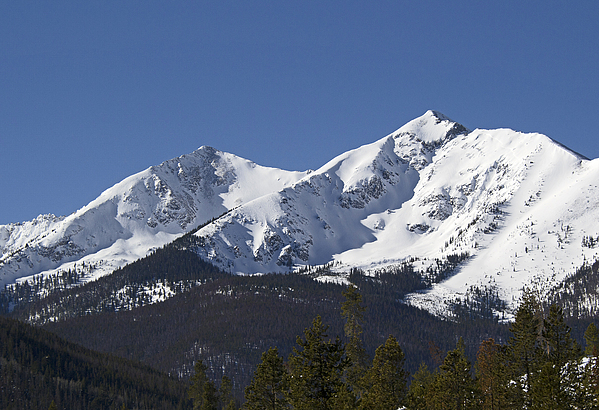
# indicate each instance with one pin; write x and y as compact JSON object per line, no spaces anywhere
{"x":459,"y":221}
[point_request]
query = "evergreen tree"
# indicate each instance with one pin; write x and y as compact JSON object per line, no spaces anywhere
{"x":267,"y":389}
{"x":454,"y":388}
{"x":591,"y":383}
{"x":387,"y":379}
{"x":559,"y":381}
{"x":522,"y":353}
{"x":210,"y":397}
{"x":591,"y":337}
{"x":420,"y":389}
{"x":352,"y":311}
{"x":559,"y":346}
{"x":226,"y":394}
{"x":315,"y":381}
{"x":198,"y":382}
{"x":491,"y":375}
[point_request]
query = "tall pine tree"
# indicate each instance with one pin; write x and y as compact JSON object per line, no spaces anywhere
{"x":522,"y":353}
{"x":454,"y":388}
{"x":591,"y":338}
{"x":225,"y":393}
{"x":198,"y":382}
{"x":420,"y":389}
{"x":268,"y":387}
{"x":352,"y":311}
{"x":559,"y":380}
{"x":317,"y":368}
{"x":210,"y":397}
{"x":386,"y":380}
{"x":491,"y":375}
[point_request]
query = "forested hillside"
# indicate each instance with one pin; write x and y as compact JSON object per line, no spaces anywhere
{"x":540,"y":366}
{"x":37,"y":368}
{"x":171,"y":309}
{"x":229,"y":320}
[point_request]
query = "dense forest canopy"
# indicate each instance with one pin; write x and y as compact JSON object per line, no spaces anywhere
{"x":171,"y":311}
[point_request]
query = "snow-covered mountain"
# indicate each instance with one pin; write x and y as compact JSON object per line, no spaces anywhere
{"x":482,"y":210}
{"x":144,"y":211}
{"x":513,"y":208}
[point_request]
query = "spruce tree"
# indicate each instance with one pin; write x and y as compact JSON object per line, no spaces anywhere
{"x":268,"y":387}
{"x":198,"y":382}
{"x":559,"y":346}
{"x":491,"y":375}
{"x":315,"y":380}
{"x":591,"y":382}
{"x":591,"y":337}
{"x":225,"y":393}
{"x":352,"y":311}
{"x":387,"y":379}
{"x":420,"y":389}
{"x":522,"y":353}
{"x":558,"y":384}
{"x":454,"y":388}
{"x":210,"y":397}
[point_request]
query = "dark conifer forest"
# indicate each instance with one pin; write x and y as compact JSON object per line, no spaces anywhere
{"x":230,"y":325}
{"x":37,"y":368}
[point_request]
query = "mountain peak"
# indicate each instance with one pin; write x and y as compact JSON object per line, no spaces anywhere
{"x":432,"y":127}
{"x":439,"y":115}
{"x":487,"y":209}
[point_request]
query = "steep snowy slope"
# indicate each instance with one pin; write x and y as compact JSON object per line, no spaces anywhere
{"x":505,"y":209}
{"x":327,"y":212}
{"x":483,"y":212}
{"x":548,"y":203}
{"x":142,"y":212}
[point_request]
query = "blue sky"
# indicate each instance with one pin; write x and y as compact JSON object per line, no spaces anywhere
{"x":92,"y":92}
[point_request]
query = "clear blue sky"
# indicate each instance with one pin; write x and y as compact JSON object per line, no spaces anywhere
{"x":94,"y":91}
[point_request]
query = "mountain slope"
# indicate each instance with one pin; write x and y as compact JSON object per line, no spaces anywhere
{"x":478,"y":214}
{"x":37,"y":368}
{"x":322,"y":215}
{"x":487,"y":211}
{"x":144,"y":211}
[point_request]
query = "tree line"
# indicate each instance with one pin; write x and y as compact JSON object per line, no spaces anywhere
{"x":540,"y":366}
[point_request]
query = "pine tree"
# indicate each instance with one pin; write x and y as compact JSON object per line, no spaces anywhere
{"x":210,"y":397}
{"x":352,"y":311}
{"x":591,"y":337}
{"x":560,"y":376}
{"x":226,"y":394}
{"x":491,"y":375}
{"x":454,"y":388}
{"x":420,"y":389}
{"x":559,"y":346}
{"x":522,"y":353}
{"x":591,"y":370}
{"x":202,"y":391}
{"x":198,"y":382}
{"x":267,"y":389}
{"x":315,"y":381}
{"x":591,"y":383}
{"x":387,"y":379}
